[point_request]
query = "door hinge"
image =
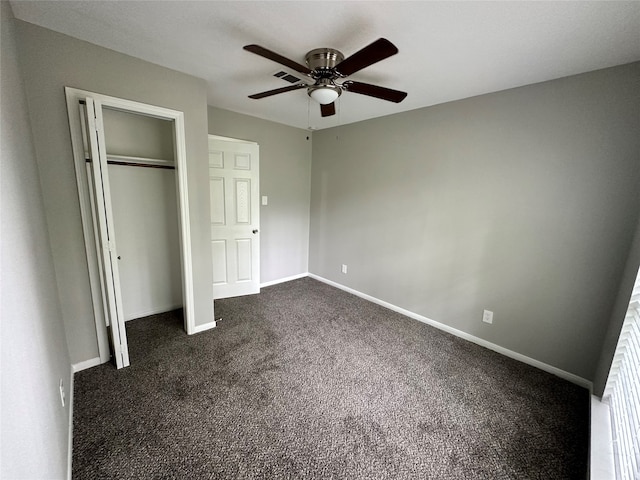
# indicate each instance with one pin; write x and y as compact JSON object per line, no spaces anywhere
{"x":98,"y":122}
{"x":111,"y":246}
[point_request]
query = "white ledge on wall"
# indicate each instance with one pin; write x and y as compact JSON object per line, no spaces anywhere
{"x":601,"y":456}
{"x":283,"y":280}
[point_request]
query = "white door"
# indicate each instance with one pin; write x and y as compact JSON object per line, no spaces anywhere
{"x":235,"y":217}
{"x":105,"y":234}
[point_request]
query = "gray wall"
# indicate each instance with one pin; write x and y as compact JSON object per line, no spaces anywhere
{"x":35,"y":426}
{"x":285,"y":176}
{"x":51,"y":61}
{"x":145,"y":220}
{"x":523,"y":202}
{"x":618,"y":314}
{"x":134,"y":135}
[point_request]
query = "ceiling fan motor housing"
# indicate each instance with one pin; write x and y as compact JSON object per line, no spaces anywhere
{"x":323,"y":61}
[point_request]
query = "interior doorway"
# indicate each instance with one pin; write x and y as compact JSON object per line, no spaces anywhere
{"x":234,"y":189}
{"x":106,"y":133}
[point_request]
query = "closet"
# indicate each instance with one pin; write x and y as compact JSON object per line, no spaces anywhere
{"x":141,"y":169}
{"x":130,"y":163}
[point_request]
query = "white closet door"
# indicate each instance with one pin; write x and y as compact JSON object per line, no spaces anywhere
{"x":101,"y":204}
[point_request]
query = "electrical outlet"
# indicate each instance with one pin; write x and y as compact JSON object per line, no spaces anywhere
{"x":344,"y":268}
{"x":487,"y":316}
{"x":62,"y":395}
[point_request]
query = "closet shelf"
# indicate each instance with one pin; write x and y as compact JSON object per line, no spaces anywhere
{"x":139,"y":160}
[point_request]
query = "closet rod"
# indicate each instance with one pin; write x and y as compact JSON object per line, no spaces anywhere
{"x":133,"y":164}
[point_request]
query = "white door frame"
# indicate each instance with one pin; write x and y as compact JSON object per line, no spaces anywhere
{"x":74,"y":96}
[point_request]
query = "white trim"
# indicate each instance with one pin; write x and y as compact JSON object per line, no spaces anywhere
{"x":84,"y":197}
{"x":230,"y":139}
{"x":154,"y":311}
{"x":92,"y":362}
{"x":285,"y":279}
{"x":204,"y":327}
{"x":70,"y":434}
{"x":184,"y":225}
{"x":459,"y":333}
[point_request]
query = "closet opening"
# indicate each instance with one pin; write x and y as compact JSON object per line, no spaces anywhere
{"x":130,"y":161}
{"x":141,"y":169}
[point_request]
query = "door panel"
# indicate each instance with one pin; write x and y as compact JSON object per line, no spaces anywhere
{"x":235,"y":217}
{"x":244,"y":247}
{"x":219,"y":254}
{"x":216,"y":189}
{"x":243,"y":201}
{"x":101,"y":204}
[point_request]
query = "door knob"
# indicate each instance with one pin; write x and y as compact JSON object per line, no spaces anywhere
{"x":255,"y":230}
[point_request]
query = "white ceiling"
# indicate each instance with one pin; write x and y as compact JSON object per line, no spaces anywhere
{"x":447,"y":50}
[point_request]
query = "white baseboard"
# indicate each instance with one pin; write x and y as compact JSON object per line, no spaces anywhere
{"x":204,"y":327}
{"x":70,"y":434}
{"x":282,"y":280}
{"x":92,"y":362}
{"x":153,"y":311}
{"x":583,"y":382}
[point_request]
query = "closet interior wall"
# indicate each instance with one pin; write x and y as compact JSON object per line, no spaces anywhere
{"x":140,"y":155}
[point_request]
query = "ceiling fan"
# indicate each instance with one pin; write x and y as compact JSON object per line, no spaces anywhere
{"x":327,"y":66}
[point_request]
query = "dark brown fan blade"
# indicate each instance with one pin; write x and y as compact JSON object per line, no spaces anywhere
{"x":328,"y":109}
{"x":373,"y":53}
{"x":375,"y":91}
{"x":263,"y":52}
{"x":257,"y":96}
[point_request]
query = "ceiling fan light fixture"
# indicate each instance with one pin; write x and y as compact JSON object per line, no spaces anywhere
{"x":324,"y":91}
{"x":324,"y":95}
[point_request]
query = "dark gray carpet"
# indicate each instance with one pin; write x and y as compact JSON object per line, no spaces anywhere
{"x":306,"y":381}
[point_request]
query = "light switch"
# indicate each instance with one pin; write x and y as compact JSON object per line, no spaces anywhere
{"x":265,"y":200}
